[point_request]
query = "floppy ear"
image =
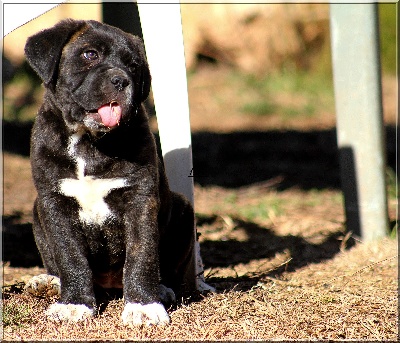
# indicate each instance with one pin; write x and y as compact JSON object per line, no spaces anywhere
{"x":145,"y":77}
{"x":145,"y":81}
{"x":43,"y":50}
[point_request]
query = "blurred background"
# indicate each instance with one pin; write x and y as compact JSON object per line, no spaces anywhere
{"x":250,"y":66}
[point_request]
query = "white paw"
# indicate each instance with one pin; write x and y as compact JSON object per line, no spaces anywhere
{"x":150,"y":314}
{"x":68,"y":312}
{"x":167,"y":295}
{"x":43,"y":285}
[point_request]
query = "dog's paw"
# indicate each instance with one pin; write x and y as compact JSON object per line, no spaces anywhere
{"x":150,"y":314}
{"x":43,"y":285}
{"x":167,"y":295}
{"x":68,"y":312}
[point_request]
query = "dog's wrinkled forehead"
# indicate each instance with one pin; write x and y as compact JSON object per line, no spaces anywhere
{"x":106,"y":40}
{"x":69,"y":39}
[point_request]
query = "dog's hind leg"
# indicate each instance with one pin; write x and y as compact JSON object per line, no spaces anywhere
{"x":176,"y":246}
{"x":167,"y":295}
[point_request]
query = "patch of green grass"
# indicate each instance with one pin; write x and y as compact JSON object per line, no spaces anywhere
{"x":268,"y":107}
{"x":231,"y":198}
{"x":264,"y":210}
{"x":327,"y":299}
{"x":308,"y":110}
{"x":260,"y":108}
{"x":15,"y":314}
{"x":301,"y":82}
{"x":387,"y":33}
{"x":316,"y":197}
{"x":394,"y":230}
{"x":391,"y":181}
{"x":314,"y":91}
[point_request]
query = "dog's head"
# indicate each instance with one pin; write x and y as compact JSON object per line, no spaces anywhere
{"x":97,"y":73}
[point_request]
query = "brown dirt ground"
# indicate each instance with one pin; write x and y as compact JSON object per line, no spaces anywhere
{"x":279,"y":256}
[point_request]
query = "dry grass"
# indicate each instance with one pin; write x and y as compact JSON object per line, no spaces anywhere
{"x":353,"y":296}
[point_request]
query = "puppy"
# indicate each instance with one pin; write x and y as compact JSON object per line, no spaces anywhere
{"x":104,"y":216}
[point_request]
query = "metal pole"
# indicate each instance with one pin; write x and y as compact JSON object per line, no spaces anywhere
{"x":358,"y":98}
{"x":163,"y":38}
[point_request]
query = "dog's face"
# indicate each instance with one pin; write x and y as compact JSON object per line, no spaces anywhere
{"x":98,"y":74}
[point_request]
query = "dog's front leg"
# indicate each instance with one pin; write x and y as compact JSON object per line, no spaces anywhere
{"x":141,"y":269}
{"x":68,"y":252}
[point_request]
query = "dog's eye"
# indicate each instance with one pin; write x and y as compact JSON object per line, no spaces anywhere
{"x":91,"y":55}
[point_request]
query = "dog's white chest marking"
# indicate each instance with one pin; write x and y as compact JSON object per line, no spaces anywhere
{"x":88,"y":190}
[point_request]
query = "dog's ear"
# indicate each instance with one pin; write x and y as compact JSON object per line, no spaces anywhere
{"x":145,"y":81}
{"x":43,"y":50}
{"x":145,"y":77}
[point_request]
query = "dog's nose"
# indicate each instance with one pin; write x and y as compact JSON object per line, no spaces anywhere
{"x":119,"y":82}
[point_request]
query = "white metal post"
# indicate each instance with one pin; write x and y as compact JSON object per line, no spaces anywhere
{"x":358,"y":98}
{"x":163,"y":38}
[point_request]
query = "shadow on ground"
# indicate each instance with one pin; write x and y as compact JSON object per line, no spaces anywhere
{"x":19,"y":247}
{"x":299,"y":159}
{"x":263,"y":243}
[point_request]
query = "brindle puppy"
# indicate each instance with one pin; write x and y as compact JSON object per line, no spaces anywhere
{"x":104,"y":215}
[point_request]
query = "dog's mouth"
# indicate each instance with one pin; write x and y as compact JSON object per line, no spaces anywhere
{"x":108,"y":114}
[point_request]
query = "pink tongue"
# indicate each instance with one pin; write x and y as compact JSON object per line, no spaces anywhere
{"x":110,"y":114}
